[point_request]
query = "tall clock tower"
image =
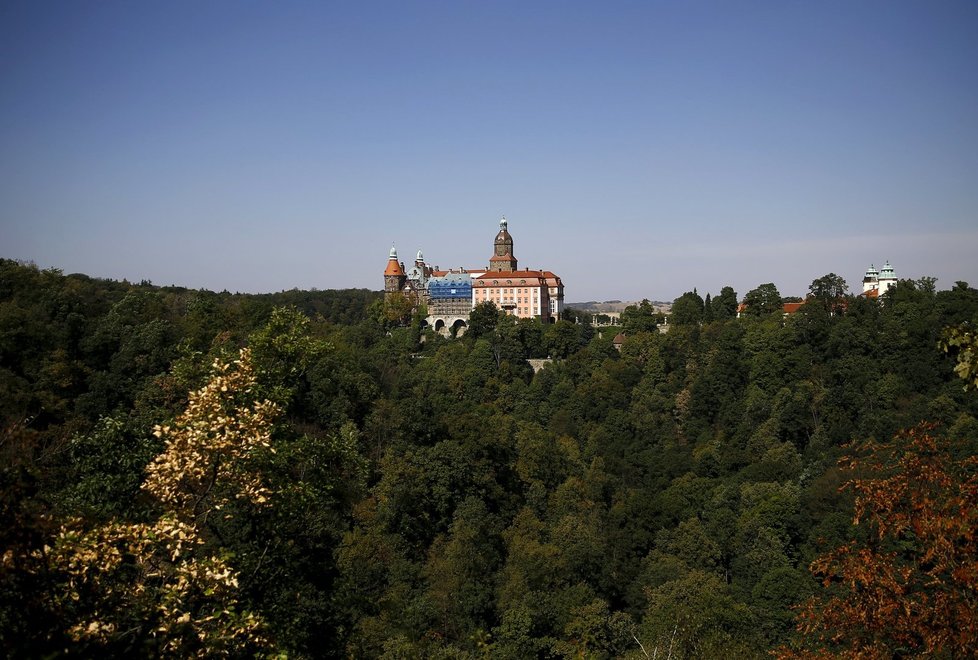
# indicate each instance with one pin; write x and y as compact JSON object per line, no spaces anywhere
{"x":502,"y":259}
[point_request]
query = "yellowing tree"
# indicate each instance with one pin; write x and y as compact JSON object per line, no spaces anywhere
{"x":152,"y":588}
{"x":205,"y":461}
{"x":963,"y":340}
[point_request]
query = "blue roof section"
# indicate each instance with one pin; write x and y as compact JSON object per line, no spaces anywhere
{"x":453,"y":285}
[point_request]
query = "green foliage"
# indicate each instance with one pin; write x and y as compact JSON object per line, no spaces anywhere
{"x":397,"y":309}
{"x":563,"y":339}
{"x":688,"y":309}
{"x":433,"y":497}
{"x":483,"y":320}
{"x":724,"y":306}
{"x":828,"y":288}
{"x":763,"y":301}
{"x":695,"y":616}
{"x":963,"y":341}
{"x":639,"y":318}
{"x":105,"y":469}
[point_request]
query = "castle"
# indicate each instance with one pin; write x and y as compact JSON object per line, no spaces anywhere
{"x":450,"y":296}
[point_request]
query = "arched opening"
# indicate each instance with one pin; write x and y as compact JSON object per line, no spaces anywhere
{"x":458,"y":327}
{"x":439,"y":325}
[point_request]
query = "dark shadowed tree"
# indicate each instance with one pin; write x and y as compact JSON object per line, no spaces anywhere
{"x":764,"y":300}
{"x":639,"y":318}
{"x":482,"y":320}
{"x":724,"y":306}
{"x":687,"y":309}
{"x":828,"y":288}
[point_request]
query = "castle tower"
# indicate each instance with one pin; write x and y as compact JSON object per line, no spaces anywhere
{"x":887,"y":277}
{"x":871,"y":280}
{"x":394,"y":277}
{"x":502,"y":258}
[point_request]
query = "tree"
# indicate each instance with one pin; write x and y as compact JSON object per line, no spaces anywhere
{"x":687,"y":309}
{"x":927,"y":283}
{"x":724,"y":306}
{"x":910,"y":587}
{"x":397,"y":309}
{"x":830,"y":290}
{"x":482,"y":320}
{"x":562,"y":339}
{"x":963,"y":340}
{"x":828,"y":287}
{"x":639,"y":318}
{"x":575,"y":315}
{"x":763,"y":300}
{"x":152,"y":587}
{"x":695,"y":616}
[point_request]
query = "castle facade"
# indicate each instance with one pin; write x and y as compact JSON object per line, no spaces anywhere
{"x":450,"y":296}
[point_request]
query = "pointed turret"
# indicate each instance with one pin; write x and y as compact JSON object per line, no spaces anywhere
{"x":394,"y":277}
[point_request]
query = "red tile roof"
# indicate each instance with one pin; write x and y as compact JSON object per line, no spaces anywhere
{"x":518,"y":274}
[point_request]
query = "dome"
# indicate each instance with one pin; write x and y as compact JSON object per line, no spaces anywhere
{"x":503,"y":237}
{"x":886,"y":272}
{"x":393,"y":266}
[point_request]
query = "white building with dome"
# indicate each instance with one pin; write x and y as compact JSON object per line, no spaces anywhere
{"x":878,"y":282}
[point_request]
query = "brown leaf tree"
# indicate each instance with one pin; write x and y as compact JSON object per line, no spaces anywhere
{"x":911,"y":588}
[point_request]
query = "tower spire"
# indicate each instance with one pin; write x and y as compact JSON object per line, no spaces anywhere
{"x":502,"y":257}
{"x":394,"y":277}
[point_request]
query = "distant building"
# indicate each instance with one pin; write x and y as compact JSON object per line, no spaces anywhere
{"x":875,"y":284}
{"x":878,"y":282}
{"x":451,"y":295}
{"x":618,"y":341}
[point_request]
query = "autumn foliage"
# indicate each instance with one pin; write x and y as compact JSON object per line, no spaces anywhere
{"x":205,"y":462}
{"x":155,"y":587}
{"x":912,"y":586}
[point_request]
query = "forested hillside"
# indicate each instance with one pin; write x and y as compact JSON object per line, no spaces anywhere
{"x":195,"y":473}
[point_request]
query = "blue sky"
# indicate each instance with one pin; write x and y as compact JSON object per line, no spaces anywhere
{"x":638,"y":149}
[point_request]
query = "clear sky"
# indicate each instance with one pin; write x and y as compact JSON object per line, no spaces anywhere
{"x":638,"y":149}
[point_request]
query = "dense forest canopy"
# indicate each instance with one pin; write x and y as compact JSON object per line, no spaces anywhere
{"x":313,"y":474}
